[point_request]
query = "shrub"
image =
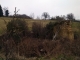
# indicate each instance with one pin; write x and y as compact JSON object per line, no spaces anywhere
{"x":30,"y":47}
{"x":33,"y":47}
{"x":17,"y":28}
{"x":37,"y":30}
{"x":76,"y":35}
{"x":75,"y":48}
{"x":49,"y":30}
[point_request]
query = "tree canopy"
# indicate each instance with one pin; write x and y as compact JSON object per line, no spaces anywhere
{"x":45,"y":15}
{"x":1,"y":11}
{"x":70,"y":16}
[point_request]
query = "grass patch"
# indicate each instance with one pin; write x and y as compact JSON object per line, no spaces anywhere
{"x":75,"y":25}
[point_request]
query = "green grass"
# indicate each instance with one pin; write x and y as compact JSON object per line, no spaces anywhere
{"x":76,"y":26}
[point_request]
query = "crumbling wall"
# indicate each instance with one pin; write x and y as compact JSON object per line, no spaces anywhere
{"x":63,"y":29}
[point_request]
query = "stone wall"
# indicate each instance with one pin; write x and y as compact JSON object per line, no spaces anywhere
{"x":63,"y":29}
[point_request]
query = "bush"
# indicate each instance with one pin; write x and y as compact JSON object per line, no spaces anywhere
{"x":49,"y":30}
{"x":37,"y":30}
{"x":30,"y":47}
{"x":33,"y":47}
{"x":75,"y":48}
{"x":76,"y":35}
{"x":17,"y":28}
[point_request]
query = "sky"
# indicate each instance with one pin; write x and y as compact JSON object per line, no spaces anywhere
{"x":37,"y":7}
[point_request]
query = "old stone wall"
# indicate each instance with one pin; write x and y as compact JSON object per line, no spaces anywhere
{"x":63,"y":29}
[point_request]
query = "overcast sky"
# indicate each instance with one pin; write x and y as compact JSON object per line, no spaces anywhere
{"x":53,"y":7}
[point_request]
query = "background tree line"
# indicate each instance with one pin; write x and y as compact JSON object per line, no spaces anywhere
{"x":69,"y":16}
{"x":45,"y":15}
{"x":6,"y":11}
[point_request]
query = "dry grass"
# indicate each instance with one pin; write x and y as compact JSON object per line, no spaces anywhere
{"x":30,"y":46}
{"x":75,"y":25}
{"x":29,"y":21}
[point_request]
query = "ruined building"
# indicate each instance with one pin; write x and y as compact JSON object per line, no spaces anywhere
{"x":63,"y":29}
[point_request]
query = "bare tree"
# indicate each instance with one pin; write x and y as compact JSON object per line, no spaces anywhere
{"x":38,"y":18}
{"x":45,"y":15}
{"x":32,"y":15}
{"x":16,"y":11}
{"x":6,"y":11}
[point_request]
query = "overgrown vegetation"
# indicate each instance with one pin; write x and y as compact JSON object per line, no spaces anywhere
{"x":42,"y":32}
{"x":37,"y":42}
{"x":17,"y":28}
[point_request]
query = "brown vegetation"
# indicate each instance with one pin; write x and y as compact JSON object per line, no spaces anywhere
{"x":38,"y":42}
